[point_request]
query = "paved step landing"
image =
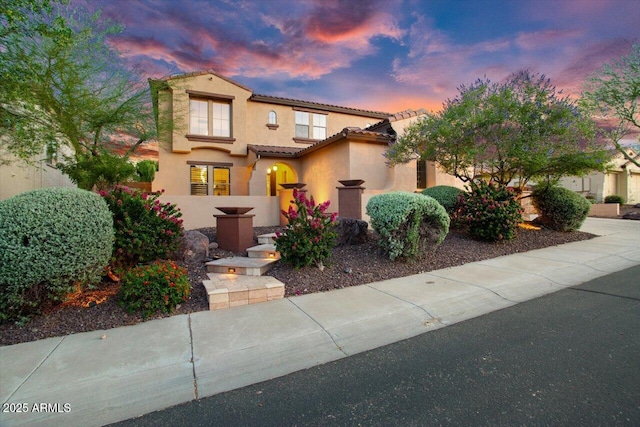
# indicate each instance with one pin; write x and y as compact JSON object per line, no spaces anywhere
{"x":232,"y":290}
{"x":269,"y":239}
{"x":241,"y":266}
{"x":263,"y":251}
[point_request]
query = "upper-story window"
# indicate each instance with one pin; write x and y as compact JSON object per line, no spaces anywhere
{"x":273,"y":118}
{"x":311,"y":125}
{"x":302,"y":124}
{"x":319,"y":126}
{"x":209,"y":117}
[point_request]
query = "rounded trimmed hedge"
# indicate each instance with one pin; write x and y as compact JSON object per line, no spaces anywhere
{"x":52,"y":240}
{"x":408,"y":224}
{"x":560,"y":209}
{"x":446,"y":195}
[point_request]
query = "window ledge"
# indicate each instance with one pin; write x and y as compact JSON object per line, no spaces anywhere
{"x":206,"y":138}
{"x":273,"y":126}
{"x":305,"y":140}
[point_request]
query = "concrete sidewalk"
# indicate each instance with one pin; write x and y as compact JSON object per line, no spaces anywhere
{"x":89,"y":380}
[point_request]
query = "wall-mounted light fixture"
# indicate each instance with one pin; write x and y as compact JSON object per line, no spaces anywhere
{"x":231,"y":270}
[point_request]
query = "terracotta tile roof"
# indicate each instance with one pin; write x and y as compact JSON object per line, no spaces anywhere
{"x":274,"y":151}
{"x":317,"y":105}
{"x":406,"y":114}
{"x":349,"y":132}
{"x":202,"y":73}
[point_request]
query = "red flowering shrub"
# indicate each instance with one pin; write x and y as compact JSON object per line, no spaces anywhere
{"x":160,"y":286}
{"x":489,"y":212}
{"x":309,"y":235}
{"x":145,"y":229}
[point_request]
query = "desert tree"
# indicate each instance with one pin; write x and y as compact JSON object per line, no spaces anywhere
{"x":613,"y":95}
{"x":521,"y":130}
{"x":72,"y":95}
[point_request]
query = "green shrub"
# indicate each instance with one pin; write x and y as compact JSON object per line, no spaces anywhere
{"x":160,"y":286}
{"x":145,"y":229}
{"x":146,"y":170}
{"x":407,"y":224}
{"x":489,"y":212}
{"x":51,"y":241}
{"x":99,"y":172}
{"x":446,"y":195}
{"x":309,"y":234}
{"x":614,"y":198}
{"x":560,"y":209}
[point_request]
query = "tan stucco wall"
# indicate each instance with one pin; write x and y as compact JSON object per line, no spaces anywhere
{"x":322,"y":169}
{"x":259,"y":133}
{"x":173,"y":173}
{"x":199,"y":211}
{"x":16,"y":178}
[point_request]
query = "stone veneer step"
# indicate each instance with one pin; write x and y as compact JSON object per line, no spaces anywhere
{"x":266,"y":250}
{"x":232,"y":290}
{"x":267,"y":238}
{"x":241,"y":266}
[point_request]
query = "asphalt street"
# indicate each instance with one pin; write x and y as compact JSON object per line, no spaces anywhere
{"x":568,"y":358}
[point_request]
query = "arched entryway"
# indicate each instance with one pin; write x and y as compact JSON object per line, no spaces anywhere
{"x":279,"y":173}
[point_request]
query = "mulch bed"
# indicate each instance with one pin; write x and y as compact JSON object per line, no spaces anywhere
{"x":350,"y":265}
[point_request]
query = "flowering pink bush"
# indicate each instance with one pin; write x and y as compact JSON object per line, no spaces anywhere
{"x":309,"y":235}
{"x":145,"y":229}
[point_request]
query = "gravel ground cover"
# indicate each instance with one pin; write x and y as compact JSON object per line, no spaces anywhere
{"x":349,"y":266}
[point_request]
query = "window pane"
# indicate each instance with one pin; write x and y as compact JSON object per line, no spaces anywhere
{"x":273,"y":118}
{"x":302,"y":131}
{"x":199,"y":180}
{"x":319,"y":133}
{"x":221,"y":182}
{"x":319,"y":126}
{"x":221,"y":119}
{"x":198,"y":117}
{"x":302,"y":118}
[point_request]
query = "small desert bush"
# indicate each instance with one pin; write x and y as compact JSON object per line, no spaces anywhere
{"x":446,"y":195}
{"x":560,"y":209}
{"x":489,"y":212}
{"x":309,"y":235}
{"x":614,"y":198}
{"x":160,"y":286}
{"x":52,"y":241}
{"x":408,"y":225}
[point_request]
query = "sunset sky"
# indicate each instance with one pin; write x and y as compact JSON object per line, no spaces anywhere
{"x":385,"y":55}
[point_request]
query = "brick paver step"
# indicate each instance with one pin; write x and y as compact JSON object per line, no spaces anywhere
{"x":232,"y":290}
{"x":241,"y":266}
{"x":267,"y":238}
{"x":266,"y":250}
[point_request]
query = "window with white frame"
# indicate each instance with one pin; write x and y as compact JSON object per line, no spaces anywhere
{"x":302,"y":124}
{"x":310,"y":125}
{"x":319,"y":126}
{"x":273,"y":118}
{"x":209,"y":117}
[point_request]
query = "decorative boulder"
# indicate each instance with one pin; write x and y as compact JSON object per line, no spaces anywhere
{"x":196,"y":246}
{"x":632,"y":215}
{"x":351,"y":231}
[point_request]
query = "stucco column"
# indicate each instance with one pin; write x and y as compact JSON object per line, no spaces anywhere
{"x":350,"y":198}
{"x":286,"y":196}
{"x":234,"y":230}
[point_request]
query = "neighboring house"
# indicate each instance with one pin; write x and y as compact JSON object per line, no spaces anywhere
{"x":218,"y":138}
{"x":622,"y":179}
{"x":17,"y":177}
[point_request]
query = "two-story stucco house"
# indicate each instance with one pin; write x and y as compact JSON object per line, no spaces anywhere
{"x":217,"y":139}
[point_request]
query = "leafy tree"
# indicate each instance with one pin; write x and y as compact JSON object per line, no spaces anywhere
{"x":73,"y":92}
{"x":613,"y":94}
{"x":520,"y":130}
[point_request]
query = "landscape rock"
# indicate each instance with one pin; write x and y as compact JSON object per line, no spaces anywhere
{"x":351,"y":231}
{"x":196,"y":246}
{"x":632,"y":215}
